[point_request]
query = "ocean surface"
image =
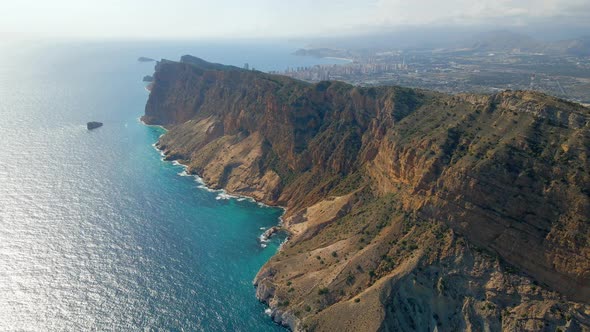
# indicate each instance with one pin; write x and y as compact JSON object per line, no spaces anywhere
{"x":96,"y":231}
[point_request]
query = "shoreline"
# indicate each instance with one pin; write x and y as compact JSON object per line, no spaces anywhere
{"x":338,"y":58}
{"x":263,"y":239}
{"x":223,"y":194}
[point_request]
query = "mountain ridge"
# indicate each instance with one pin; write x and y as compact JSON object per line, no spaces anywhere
{"x":386,"y":185}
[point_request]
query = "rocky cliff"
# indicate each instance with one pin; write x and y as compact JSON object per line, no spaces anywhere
{"x":408,"y":209}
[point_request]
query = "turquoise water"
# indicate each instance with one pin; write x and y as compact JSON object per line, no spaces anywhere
{"x":96,"y":232}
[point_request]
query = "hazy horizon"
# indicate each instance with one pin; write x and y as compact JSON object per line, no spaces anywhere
{"x":265,"y":19}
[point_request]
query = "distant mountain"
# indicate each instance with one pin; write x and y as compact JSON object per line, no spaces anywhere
{"x":574,"y":47}
{"x":505,"y":41}
{"x":510,"y":42}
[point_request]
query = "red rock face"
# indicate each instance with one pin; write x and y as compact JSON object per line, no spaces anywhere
{"x":508,"y":173}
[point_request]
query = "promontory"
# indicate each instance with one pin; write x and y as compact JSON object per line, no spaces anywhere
{"x":409,"y":210}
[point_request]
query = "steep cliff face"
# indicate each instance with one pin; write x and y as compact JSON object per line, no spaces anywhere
{"x":409,"y":209}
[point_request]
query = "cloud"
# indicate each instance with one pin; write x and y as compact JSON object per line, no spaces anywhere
{"x":505,"y":12}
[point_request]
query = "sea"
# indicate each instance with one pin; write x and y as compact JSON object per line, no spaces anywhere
{"x":97,"y":232}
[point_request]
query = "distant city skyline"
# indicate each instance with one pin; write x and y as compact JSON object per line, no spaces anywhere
{"x":266,"y":18}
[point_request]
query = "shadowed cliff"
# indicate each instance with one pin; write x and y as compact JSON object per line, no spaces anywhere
{"x":417,"y":209}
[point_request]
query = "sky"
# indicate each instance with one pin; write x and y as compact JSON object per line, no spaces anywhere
{"x":182,"y":19}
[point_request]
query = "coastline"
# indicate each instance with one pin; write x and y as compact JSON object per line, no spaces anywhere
{"x":340,"y":59}
{"x":223,"y":194}
{"x":278,"y":316}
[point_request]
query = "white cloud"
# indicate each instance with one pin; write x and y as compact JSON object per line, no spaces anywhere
{"x":507,"y":12}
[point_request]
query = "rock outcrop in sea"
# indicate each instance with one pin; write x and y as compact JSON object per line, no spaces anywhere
{"x":93,"y":125}
{"x":408,"y":209}
{"x":145,"y":59}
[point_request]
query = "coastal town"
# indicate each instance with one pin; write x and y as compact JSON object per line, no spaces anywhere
{"x":564,"y":76}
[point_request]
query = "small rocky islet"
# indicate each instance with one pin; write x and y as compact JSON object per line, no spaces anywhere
{"x":93,"y":125}
{"x":145,"y":59}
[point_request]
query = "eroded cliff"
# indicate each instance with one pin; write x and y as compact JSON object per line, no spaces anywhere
{"x":409,"y":209}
